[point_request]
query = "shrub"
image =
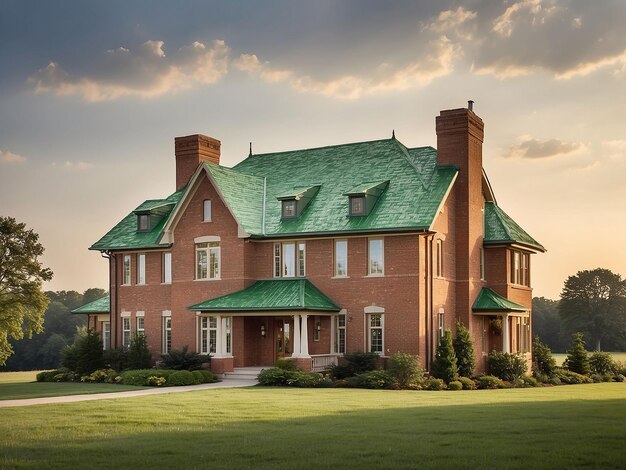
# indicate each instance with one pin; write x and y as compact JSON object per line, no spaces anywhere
{"x":543,"y":378}
{"x":182,"y":359}
{"x":434,"y":384}
{"x":464,"y":350}
{"x":618,"y":378}
{"x":181,"y":377}
{"x":46,"y":375}
{"x":155,"y":381}
{"x":405,"y":369}
{"x":208,"y":377}
{"x":455,"y":385}
{"x":571,"y":378}
{"x":69,"y":357}
{"x":285,"y":364}
{"x":444,"y":365}
{"x":65,"y":375}
{"x":85,"y":355}
{"x":543,"y":362}
{"x":506,"y":366}
{"x":597,"y":378}
{"x":489,"y":382}
{"x":620,"y":367}
{"x":115,"y":358}
{"x":602,"y":363}
{"x":140,"y":377}
{"x":529,"y":381}
{"x":577,"y":359}
{"x":355,"y":363}
{"x":374,"y":379}
{"x":139,"y":356}
{"x":468,"y":384}
{"x":303,"y":379}
{"x":97,"y":376}
{"x":197,"y":376}
{"x":274,"y":376}
{"x":112,"y":377}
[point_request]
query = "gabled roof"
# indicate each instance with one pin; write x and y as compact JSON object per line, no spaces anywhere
{"x":500,"y":228}
{"x":275,"y":294}
{"x":375,"y":189}
{"x":490,"y":301}
{"x":101,"y":305}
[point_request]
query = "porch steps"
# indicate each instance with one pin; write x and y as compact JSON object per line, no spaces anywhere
{"x":243,"y":373}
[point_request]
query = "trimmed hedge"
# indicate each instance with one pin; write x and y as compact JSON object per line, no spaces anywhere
{"x":277,"y":377}
{"x":487,"y":382}
{"x":467,"y":383}
{"x":140,"y":377}
{"x":374,"y":379}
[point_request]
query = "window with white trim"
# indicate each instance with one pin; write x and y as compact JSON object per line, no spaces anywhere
{"x":228,"y":335}
{"x":439,"y":252}
{"x":375,"y":333}
{"x":289,"y":259}
{"x":441,"y":326}
{"x":141,"y":268}
{"x":106,"y":335}
{"x":167,"y":268}
{"x":341,"y":258}
{"x":317,"y":328}
{"x":126,"y":332}
{"x":140,"y":325}
{"x":340,"y":340}
{"x":206,"y":210}
{"x":523,"y":335}
{"x":126,"y":271}
{"x":167,"y":335}
{"x":208,"y":260}
{"x":520,"y":268}
{"x":376,"y":255}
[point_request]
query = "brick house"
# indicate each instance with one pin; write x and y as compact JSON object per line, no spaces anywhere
{"x":312,"y":253}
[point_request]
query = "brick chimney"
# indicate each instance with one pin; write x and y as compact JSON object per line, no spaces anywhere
{"x":459,"y":142}
{"x":190,"y":150}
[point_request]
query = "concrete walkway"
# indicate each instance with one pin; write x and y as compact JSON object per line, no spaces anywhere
{"x":225,"y":383}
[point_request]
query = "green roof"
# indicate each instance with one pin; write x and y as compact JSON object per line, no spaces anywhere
{"x":365,"y":188}
{"x":276,"y":294}
{"x":500,"y":228}
{"x":101,"y":305}
{"x":490,"y":301}
{"x":125,"y":235}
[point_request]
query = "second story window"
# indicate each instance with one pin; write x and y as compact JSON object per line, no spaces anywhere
{"x":141,"y":268}
{"x":289,"y":208}
{"x":167,"y":268}
{"x":208,"y":260}
{"x":289,"y":259}
{"x":126,"y":271}
{"x":206,"y":210}
{"x":520,"y":268}
{"x":376,"y":255}
{"x":341,"y":258}
{"x":357,"y":205}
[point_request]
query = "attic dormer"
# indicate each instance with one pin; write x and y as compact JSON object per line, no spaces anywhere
{"x":364,"y":197}
{"x":151,"y":213}
{"x":293,"y":203}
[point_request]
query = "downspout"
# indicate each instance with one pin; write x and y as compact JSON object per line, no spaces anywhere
{"x":112,"y":316}
{"x":429,"y":309}
{"x":426,"y":302}
{"x":264,"y":198}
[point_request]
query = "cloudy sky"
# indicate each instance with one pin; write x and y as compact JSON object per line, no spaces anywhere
{"x":92,"y":95}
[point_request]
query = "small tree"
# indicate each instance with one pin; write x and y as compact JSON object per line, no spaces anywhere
{"x":85,"y":355}
{"x":444,"y":365}
{"x":577,"y":357}
{"x":543,"y":362}
{"x":464,"y":350}
{"x":602,"y":363}
{"x":139,"y":356}
{"x":405,"y":369}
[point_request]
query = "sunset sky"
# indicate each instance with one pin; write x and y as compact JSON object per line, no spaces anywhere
{"x":92,"y":95}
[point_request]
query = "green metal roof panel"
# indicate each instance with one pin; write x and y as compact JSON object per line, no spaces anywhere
{"x":500,"y":228}
{"x":298,"y":193}
{"x":490,"y":301}
{"x":276,"y":294}
{"x":101,"y":305}
{"x":375,"y":188}
{"x":415,"y":191}
{"x":153,"y":204}
{"x":125,"y":236}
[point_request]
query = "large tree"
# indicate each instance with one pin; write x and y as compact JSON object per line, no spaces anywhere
{"x":22,"y":302}
{"x":547,"y":323}
{"x":594,"y":302}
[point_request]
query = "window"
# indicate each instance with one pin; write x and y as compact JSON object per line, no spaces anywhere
{"x":208,"y":260}
{"x":482,"y":264}
{"x":140,"y":325}
{"x":439,"y":272}
{"x":341,"y":258}
{"x":289,"y":259}
{"x":126,"y":332}
{"x":167,"y":268}
{"x":206,"y":210}
{"x":523,"y":335}
{"x":357,"y":205}
{"x":141,"y":269}
{"x":208,"y":335}
{"x":375,"y":327}
{"x":317,"y":329}
{"x":441,"y":326}
{"x":167,"y":334}
{"x":340,"y":340}
{"x":143,"y":222}
{"x":289,"y":208}
{"x":376,"y":262}
{"x":228,"y":336}
{"x":520,"y":268}
{"x":106,"y":335}
{"x":126,"y":271}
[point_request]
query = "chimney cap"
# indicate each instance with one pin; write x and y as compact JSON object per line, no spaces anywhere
{"x":470,"y":105}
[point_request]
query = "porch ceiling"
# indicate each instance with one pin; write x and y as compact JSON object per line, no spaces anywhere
{"x":276,"y":295}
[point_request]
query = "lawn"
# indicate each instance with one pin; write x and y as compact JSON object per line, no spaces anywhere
{"x":553,"y":427}
{"x":16,"y":385}
{"x":618,"y":356}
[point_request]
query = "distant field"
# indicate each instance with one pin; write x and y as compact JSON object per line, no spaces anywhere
{"x":17,"y":385}
{"x":618,"y":356}
{"x":575,"y":426}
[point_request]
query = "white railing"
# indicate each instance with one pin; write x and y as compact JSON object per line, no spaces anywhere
{"x":323,"y":362}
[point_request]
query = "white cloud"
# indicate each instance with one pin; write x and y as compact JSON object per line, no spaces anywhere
{"x":585,"y":68}
{"x":452,"y":20}
{"x":530,"y":148}
{"x":437,"y":63}
{"x":145,"y":72}
{"x":519,"y":11}
{"x":615,"y":149}
{"x":11,"y":158}
{"x":74,"y":166}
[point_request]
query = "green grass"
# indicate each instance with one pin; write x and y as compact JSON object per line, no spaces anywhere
{"x":17,"y":385}
{"x":618,"y":356}
{"x":554,"y":427}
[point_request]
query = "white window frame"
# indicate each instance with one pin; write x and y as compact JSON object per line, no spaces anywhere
{"x":106,"y":334}
{"x":141,"y":325}
{"x":207,"y":211}
{"x":166,"y":345}
{"x":126,"y":332}
{"x":369,"y":257}
{"x":340,"y":332}
{"x":209,"y":248}
{"x":297,"y":264}
{"x":370,"y":329}
{"x":441,"y":325}
{"x":317,"y":328}
{"x":278,"y":259}
{"x":141,"y":269}
{"x":228,"y":336}
{"x":167,"y":267}
{"x":127,"y":268}
{"x":336,"y":271}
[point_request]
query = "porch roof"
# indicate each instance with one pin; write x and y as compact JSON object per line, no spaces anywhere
{"x":101,"y":305}
{"x":274,"y":294}
{"x":490,"y":301}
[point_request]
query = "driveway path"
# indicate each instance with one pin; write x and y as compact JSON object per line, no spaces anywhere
{"x":225,"y":383}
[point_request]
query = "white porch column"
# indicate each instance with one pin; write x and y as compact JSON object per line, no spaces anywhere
{"x":296,"y":336}
{"x":333,"y":334}
{"x":304,"y":340}
{"x":219,"y":348}
{"x":506,"y":343}
{"x":223,"y":334}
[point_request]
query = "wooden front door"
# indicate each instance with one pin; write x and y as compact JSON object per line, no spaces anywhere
{"x":282,"y":338}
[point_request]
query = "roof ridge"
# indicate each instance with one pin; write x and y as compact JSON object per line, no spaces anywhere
{"x":499,"y":214}
{"x":407,"y":157}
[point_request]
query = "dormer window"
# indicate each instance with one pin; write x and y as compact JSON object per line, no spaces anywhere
{"x":294,"y":202}
{"x":143,"y":222}
{"x":289,"y":208}
{"x":364,"y":197}
{"x":357,"y":205}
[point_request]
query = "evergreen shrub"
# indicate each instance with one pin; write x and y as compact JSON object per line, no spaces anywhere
{"x":374,"y":379}
{"x":444,"y":365}
{"x":577,"y":358}
{"x":139,"y":356}
{"x":506,"y":366}
{"x":543,"y":362}
{"x":489,"y":382}
{"x":405,"y":369}
{"x":602,"y":363}
{"x":181,"y":378}
{"x":464,"y":351}
{"x":468,"y":384}
{"x":455,"y":385}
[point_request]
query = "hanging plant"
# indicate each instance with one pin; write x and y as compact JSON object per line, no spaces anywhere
{"x":496,"y":324}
